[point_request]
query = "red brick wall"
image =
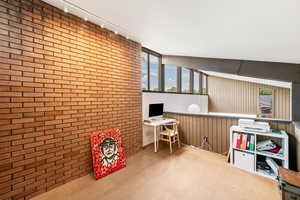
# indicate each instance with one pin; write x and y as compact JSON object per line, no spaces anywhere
{"x":61,"y":78}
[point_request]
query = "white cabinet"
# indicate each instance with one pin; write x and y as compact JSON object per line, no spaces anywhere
{"x":251,"y":160}
{"x":244,"y":160}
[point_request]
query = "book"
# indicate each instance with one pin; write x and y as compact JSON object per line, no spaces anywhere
{"x":248,"y":142}
{"x":274,"y":166}
{"x":239,"y":140}
{"x":252,"y":143}
{"x":235,"y":138}
{"x":244,"y":142}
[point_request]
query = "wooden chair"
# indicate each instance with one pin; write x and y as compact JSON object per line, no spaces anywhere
{"x":169,"y":133}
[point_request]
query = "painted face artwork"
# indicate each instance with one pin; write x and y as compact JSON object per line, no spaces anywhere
{"x":107,"y":152}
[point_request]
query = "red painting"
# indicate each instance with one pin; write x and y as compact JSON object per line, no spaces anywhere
{"x":107,"y":152}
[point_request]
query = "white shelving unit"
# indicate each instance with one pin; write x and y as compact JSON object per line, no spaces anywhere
{"x":248,"y":158}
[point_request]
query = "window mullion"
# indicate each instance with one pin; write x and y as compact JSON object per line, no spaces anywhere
{"x":192,"y":81}
{"x":148,"y":72}
{"x":162,"y":77}
{"x":179,"y":90}
{"x":206,"y":84}
{"x":200,"y":83}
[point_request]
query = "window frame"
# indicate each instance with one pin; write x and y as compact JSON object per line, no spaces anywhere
{"x":259,"y":110}
{"x":164,"y":81}
{"x":190,"y":71}
{"x":147,"y":86}
{"x":199,"y":82}
{"x":161,"y":76}
{"x":204,"y":90}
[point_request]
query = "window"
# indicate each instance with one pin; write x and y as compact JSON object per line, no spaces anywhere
{"x":170,"y":78}
{"x":154,"y":73}
{"x":196,"y":88}
{"x":265,"y":105}
{"x":144,"y":71}
{"x":204,"y":84}
{"x":185,"y":80}
{"x":151,"y":76}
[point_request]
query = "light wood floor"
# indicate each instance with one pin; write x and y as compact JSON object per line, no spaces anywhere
{"x":188,"y":173}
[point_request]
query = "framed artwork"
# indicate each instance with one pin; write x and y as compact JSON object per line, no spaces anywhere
{"x":265,"y":102}
{"x":107,"y":152}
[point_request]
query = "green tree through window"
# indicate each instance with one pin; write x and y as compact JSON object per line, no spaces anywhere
{"x":170,"y":78}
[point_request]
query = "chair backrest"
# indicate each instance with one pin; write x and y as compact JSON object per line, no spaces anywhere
{"x":173,"y":125}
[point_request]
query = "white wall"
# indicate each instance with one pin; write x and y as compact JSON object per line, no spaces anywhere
{"x":172,"y":103}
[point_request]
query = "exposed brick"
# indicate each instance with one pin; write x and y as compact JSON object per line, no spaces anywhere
{"x":22,"y":120}
{"x":35,"y":144}
{"x":5,"y":167}
{"x":33,"y":124}
{"x":23,"y":141}
{"x":22,"y":131}
{"x":9,"y":127}
{"x":58,"y":84}
{"x":72,"y":153}
{"x":22,"y":152}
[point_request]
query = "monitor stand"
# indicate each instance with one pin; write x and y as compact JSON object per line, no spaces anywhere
{"x":159,"y":118}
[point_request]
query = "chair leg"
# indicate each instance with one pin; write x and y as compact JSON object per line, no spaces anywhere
{"x":178,"y":140}
{"x":170,"y":141}
{"x":158,"y":142}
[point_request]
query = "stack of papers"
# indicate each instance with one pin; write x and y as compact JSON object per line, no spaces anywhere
{"x":265,"y":145}
{"x":252,"y":125}
{"x":246,"y":122}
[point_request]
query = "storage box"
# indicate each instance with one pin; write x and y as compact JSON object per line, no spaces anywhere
{"x":244,"y":160}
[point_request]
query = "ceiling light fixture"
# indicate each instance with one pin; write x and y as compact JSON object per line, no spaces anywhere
{"x":88,"y":16}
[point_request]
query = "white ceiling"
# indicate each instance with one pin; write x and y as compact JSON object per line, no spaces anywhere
{"x":262,"y":30}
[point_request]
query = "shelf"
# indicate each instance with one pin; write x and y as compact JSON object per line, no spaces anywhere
{"x":247,"y":160}
{"x":264,"y":174}
{"x":270,"y":134}
{"x":248,"y":151}
{"x":270,"y":154}
{"x":267,"y":154}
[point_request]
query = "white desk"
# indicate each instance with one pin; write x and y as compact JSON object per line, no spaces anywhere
{"x":156,"y":123}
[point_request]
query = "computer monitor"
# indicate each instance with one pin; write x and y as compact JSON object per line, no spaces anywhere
{"x":156,"y":109}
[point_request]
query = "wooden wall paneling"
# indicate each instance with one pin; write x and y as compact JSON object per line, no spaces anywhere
{"x":192,"y":125}
{"x":219,"y":141}
{"x":223,"y":136}
{"x":194,"y":128}
{"x":234,"y":96}
{"x":188,"y":123}
{"x":202,"y":130}
{"x":198,"y":131}
{"x":209,"y":130}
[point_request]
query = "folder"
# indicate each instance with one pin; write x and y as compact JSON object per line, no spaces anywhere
{"x":239,"y":140}
{"x":252,"y":143}
{"x":235,"y":138}
{"x":244,"y":142}
{"x":248,"y":142}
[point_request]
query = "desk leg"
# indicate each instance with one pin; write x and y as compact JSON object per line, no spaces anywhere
{"x":155,"y":139}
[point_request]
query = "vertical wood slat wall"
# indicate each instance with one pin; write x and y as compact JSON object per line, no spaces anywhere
{"x":234,"y":96}
{"x":193,"y":128}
